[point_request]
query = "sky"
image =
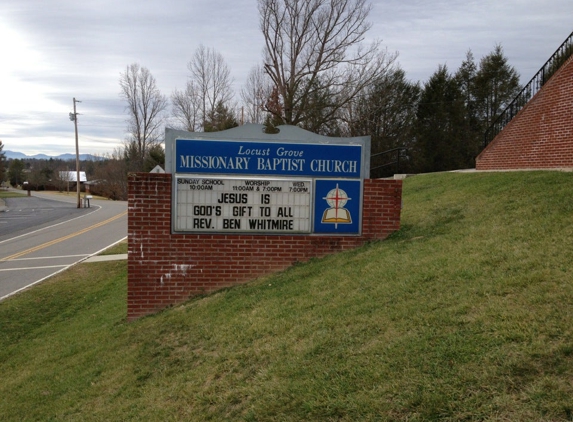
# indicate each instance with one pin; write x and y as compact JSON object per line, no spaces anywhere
{"x":52,"y":51}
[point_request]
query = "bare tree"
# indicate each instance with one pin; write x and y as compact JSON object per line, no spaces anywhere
{"x":62,"y":178}
{"x":255,"y":94}
{"x":209,"y":88}
{"x":386,"y":112}
{"x":212,"y":76}
{"x":186,"y":107}
{"x":315,"y":57}
{"x":111,"y":176}
{"x":145,"y":106}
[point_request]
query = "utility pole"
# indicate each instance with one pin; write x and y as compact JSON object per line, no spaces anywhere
{"x":74,"y":118}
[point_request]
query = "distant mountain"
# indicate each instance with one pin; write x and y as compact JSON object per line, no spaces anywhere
{"x":13,"y":154}
{"x":65,"y":157}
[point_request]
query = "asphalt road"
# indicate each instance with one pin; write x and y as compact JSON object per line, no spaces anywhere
{"x":46,"y":233}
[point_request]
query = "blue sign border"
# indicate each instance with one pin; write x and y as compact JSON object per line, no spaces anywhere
{"x":268,"y":158}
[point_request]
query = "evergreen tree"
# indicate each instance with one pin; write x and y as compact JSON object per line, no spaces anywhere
{"x":221,"y":118}
{"x":16,"y":172}
{"x":466,"y":76}
{"x":440,"y":122}
{"x":496,"y":85}
{"x":472,"y":125}
{"x":155,"y":157}
{"x":2,"y":163}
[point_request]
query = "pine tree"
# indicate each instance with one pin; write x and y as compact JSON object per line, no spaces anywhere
{"x":16,"y":172}
{"x":2,"y":163}
{"x":220,"y":118}
{"x":496,"y":85}
{"x":440,"y":122}
{"x":472,"y":126}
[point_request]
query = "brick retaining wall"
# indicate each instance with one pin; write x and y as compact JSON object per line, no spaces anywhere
{"x":166,"y":269}
{"x":541,"y":135}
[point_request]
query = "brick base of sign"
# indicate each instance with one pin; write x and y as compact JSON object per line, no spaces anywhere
{"x":166,"y":269}
{"x":541,"y":135}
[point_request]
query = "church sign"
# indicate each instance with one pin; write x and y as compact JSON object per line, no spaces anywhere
{"x":253,"y":186}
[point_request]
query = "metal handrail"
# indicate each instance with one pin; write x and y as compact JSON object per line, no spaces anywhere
{"x":396,"y":162}
{"x":561,"y":55}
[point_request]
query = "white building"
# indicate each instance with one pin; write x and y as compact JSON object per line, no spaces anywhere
{"x":71,"y":176}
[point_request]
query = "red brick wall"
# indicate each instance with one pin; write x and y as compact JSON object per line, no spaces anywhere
{"x":541,"y":135}
{"x":166,"y":269}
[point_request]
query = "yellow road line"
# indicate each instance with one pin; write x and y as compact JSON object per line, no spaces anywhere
{"x":61,"y":239}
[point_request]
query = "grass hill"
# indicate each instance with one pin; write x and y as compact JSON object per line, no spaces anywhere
{"x":465,"y":314}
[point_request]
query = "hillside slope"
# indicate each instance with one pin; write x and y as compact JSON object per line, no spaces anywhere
{"x":465,"y":314}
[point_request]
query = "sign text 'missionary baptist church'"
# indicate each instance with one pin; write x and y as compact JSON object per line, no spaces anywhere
{"x":288,"y":186}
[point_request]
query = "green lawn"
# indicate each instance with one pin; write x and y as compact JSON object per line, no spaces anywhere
{"x":117,"y":249}
{"x":465,"y":314}
{"x":11,"y":194}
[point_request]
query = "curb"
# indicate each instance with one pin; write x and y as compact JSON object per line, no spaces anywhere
{"x":102,"y":258}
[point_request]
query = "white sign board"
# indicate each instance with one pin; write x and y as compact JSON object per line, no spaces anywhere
{"x":242,"y":204}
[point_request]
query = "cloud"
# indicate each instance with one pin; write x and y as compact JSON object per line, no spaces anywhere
{"x":65,"y":49}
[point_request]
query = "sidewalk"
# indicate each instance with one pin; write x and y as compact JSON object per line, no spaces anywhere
{"x":102,"y":258}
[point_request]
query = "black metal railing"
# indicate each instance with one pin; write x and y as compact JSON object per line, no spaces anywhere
{"x":564,"y":51}
{"x":378,"y":170}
